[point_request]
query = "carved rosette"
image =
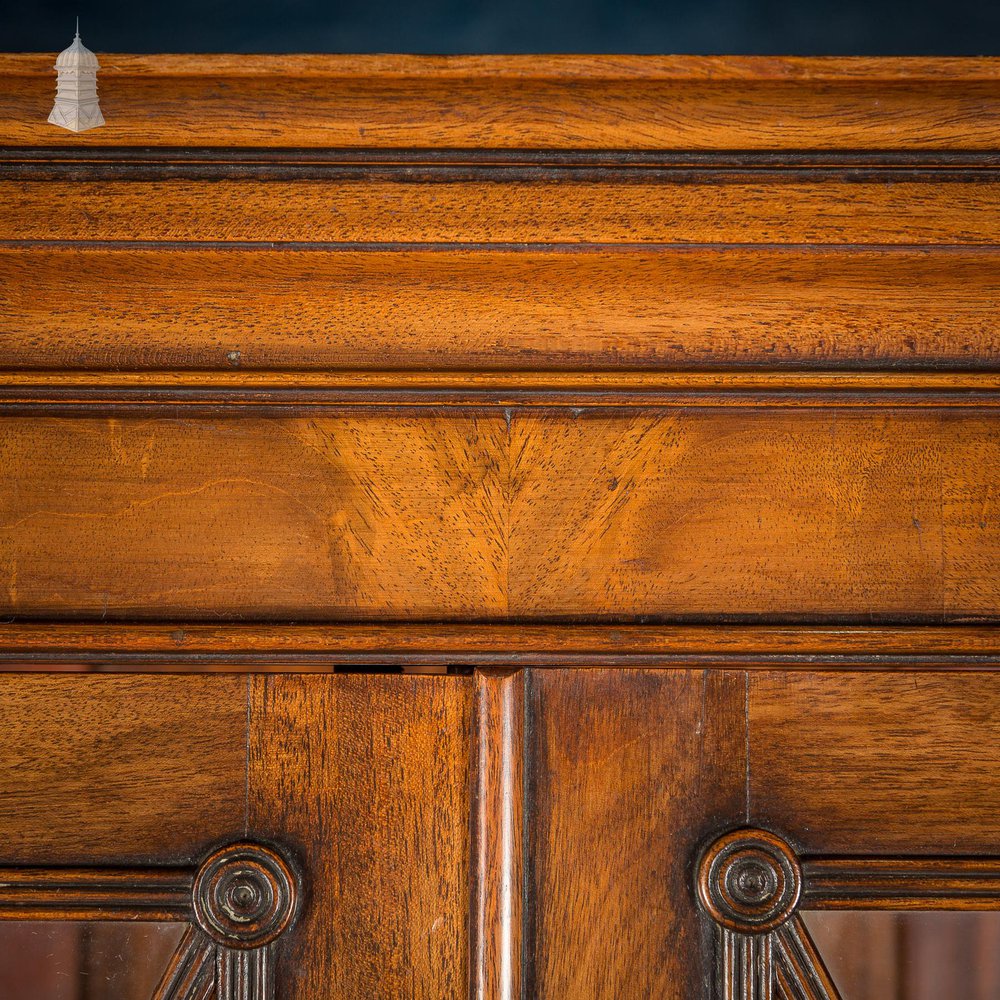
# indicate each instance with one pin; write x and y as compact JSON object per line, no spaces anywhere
{"x":244,"y":896}
{"x":749,"y":881}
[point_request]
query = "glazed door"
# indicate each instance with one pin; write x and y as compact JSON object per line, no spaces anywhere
{"x":550,"y":832}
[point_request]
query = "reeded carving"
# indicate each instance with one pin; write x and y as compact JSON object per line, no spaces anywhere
{"x":244,"y":896}
{"x":749,"y":881}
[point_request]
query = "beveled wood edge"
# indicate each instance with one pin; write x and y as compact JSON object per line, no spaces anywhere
{"x":496,"y":843}
{"x":752,"y":884}
{"x":799,"y":970}
{"x":748,"y":380}
{"x":524,"y":67}
{"x":190,"y":973}
{"x":199,"y":646}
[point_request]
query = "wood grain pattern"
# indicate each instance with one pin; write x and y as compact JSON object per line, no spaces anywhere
{"x":557,"y":210}
{"x":367,"y":776}
{"x":578,"y":102}
{"x":672,"y":513}
{"x":690,"y":308}
{"x":868,"y":764}
{"x":399,"y":516}
{"x":730,"y":513}
{"x":630,"y":771}
{"x":119,"y":769}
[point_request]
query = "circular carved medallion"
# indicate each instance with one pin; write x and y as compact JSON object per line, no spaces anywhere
{"x":749,"y":881}
{"x":245,"y":895}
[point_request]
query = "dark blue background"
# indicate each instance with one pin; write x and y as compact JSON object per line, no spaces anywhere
{"x":821,"y":27}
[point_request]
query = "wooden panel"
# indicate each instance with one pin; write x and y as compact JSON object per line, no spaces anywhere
{"x":879,"y":763}
{"x":569,"y":102}
{"x":367,"y":777}
{"x":639,"y":307}
{"x":352,"y":516}
{"x":770,"y":512}
{"x":629,"y":772}
{"x":668,"y":513}
{"x":559,"y":210}
{"x":116,"y":769}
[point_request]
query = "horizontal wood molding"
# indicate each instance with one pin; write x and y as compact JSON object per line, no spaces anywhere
{"x":197,"y":646}
{"x":901,"y":884}
{"x":315,"y":308}
{"x":89,"y":392}
{"x":157,"y":894}
{"x":679,"y":514}
{"x":502,"y":205}
{"x":509,"y":102}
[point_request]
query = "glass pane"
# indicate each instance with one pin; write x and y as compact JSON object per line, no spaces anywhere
{"x":52,"y":960}
{"x":940,"y":955}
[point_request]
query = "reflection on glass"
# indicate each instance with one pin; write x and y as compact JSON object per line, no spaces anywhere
{"x":940,"y":955}
{"x":52,"y":960}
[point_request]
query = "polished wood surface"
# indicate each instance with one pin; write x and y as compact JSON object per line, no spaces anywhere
{"x":135,"y":307}
{"x":367,"y":777}
{"x":868,"y":764}
{"x":496,"y":931}
{"x":717,"y":207}
{"x":627,"y":773}
{"x":137,"y":768}
{"x":570,"y":102}
{"x":673,"y":513}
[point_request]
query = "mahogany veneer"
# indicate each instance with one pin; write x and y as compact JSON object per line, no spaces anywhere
{"x":550,"y":505}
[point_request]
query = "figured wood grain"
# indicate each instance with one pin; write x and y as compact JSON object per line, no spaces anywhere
{"x":678,"y":514}
{"x":396,"y":516}
{"x":901,"y":764}
{"x":367,"y":777}
{"x":629,"y":773}
{"x":678,"y":307}
{"x":556,"y":210}
{"x":770,"y":512}
{"x":119,"y":769}
{"x":574,"y":102}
